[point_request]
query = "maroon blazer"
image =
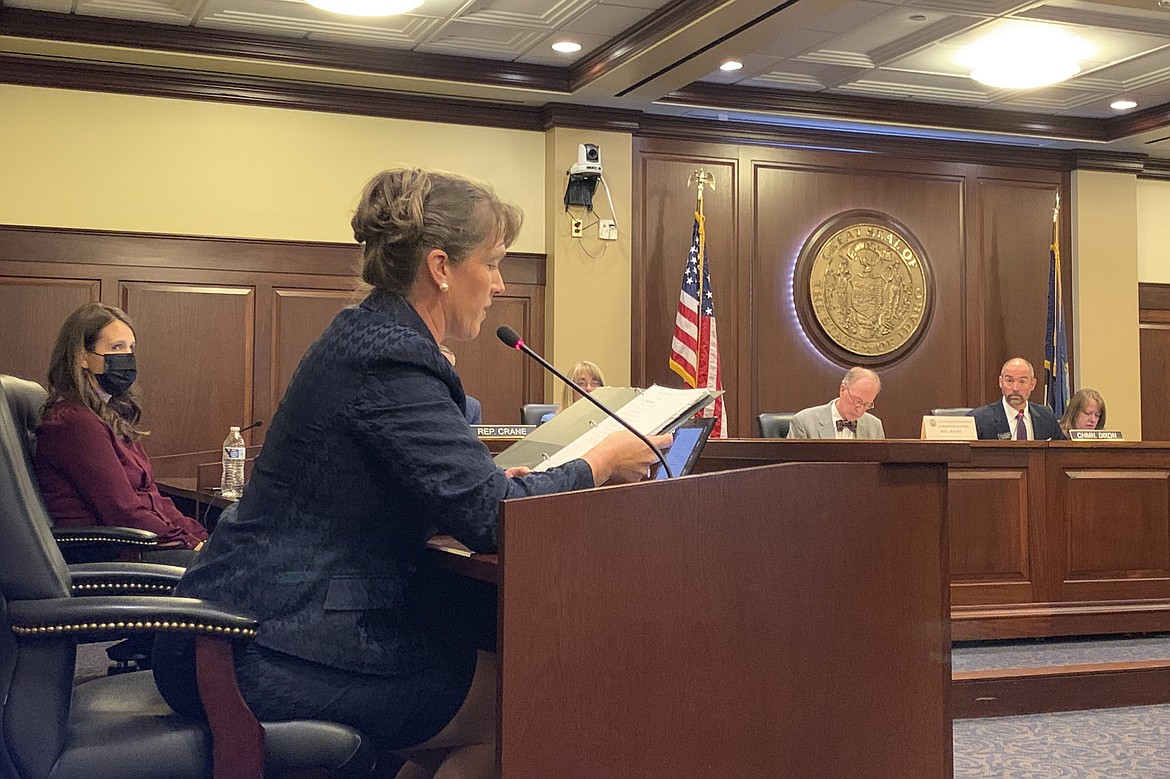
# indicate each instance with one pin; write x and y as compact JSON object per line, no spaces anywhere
{"x":89,"y":476}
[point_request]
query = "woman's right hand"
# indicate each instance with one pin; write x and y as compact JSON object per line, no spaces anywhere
{"x":623,"y":457}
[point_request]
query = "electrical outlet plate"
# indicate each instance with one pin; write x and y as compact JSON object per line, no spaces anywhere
{"x":607,"y":230}
{"x":576,"y":230}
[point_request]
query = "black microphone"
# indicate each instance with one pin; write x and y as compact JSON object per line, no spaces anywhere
{"x":257,"y":423}
{"x":513,"y":339}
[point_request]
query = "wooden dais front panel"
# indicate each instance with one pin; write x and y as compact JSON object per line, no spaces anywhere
{"x":988,"y":525}
{"x":1110,"y":515}
{"x":1097,"y":544}
{"x":992,"y":503}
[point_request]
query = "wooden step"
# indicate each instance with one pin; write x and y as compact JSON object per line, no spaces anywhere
{"x":999,"y":693}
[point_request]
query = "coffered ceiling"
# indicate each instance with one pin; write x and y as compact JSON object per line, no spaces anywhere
{"x":884,"y":67}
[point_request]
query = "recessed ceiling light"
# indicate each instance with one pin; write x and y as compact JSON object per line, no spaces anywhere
{"x":366,"y":7}
{"x":1017,"y":75}
{"x":731,"y":65}
{"x":1024,"y":56}
{"x":1122,"y":105}
{"x":566,"y":47}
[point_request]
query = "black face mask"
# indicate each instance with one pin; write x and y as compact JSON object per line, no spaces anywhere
{"x":121,"y":371}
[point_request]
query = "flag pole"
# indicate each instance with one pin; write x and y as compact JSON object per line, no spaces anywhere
{"x":703,"y":179}
{"x":695,"y":346}
{"x":1055,"y":359}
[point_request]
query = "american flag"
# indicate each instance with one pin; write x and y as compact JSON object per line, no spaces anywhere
{"x":694,"y":350}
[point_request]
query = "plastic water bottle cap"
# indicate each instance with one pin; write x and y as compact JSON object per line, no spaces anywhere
{"x":233,"y":429}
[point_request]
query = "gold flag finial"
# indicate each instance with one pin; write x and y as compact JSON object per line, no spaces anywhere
{"x":1056,"y":209}
{"x":703,"y":179}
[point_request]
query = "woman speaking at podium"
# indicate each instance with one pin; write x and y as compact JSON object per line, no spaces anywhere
{"x":369,"y":454}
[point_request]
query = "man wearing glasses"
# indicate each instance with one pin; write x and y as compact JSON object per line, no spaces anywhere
{"x":847,"y":416}
{"x":1013,"y":418}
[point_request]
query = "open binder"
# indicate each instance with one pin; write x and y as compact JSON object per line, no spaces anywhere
{"x":582,"y":426}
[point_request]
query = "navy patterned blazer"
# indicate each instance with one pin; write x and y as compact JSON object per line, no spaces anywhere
{"x":368,"y":455}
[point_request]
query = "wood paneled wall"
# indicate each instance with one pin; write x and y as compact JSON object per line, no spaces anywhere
{"x":1154,"y":331}
{"x":985,"y":230}
{"x":222,"y":323}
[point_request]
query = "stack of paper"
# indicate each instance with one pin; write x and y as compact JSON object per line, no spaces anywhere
{"x":581,"y":426}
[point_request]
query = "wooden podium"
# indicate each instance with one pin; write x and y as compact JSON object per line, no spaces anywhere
{"x":781,"y":621}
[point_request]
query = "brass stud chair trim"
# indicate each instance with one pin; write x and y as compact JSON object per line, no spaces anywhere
{"x":103,"y":540}
{"x":122,"y":586}
{"x":153,"y":626}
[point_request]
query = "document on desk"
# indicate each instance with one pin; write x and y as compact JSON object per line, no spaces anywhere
{"x":582,"y":426}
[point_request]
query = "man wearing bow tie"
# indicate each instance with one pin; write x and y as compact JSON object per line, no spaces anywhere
{"x":847,"y":416}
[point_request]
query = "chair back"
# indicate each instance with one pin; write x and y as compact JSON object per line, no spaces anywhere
{"x":30,"y":564}
{"x":530,"y":413}
{"x":7,"y":669}
{"x":25,"y":401}
{"x":36,"y":674}
{"x":956,"y":411}
{"x":774,"y":424}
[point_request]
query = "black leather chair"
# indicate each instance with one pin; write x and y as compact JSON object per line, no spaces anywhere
{"x":530,"y":413}
{"x":78,"y":544}
{"x":956,"y":411}
{"x":119,"y":727}
{"x":774,"y":425}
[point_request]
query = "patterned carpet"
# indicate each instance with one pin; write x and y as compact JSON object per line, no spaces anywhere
{"x":1129,"y":743}
{"x":1041,"y":653}
{"x":1132,"y":743}
{"x":92,"y":662}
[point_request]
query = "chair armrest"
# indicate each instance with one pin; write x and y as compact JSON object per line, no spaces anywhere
{"x":107,"y":617}
{"x":91,"y":579}
{"x":104,"y":534}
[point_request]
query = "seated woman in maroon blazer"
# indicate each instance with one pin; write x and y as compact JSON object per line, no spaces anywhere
{"x":90,"y":464}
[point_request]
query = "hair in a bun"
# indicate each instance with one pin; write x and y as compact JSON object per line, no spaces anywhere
{"x":405,"y":213}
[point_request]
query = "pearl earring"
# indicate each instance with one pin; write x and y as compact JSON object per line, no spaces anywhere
{"x":443,"y":286}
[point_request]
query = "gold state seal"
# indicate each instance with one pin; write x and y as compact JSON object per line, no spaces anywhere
{"x":868,"y":288}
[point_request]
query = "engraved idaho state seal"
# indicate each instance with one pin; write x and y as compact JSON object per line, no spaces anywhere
{"x":868,"y":285}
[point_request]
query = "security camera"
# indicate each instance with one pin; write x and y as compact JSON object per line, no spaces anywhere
{"x":588,"y":160}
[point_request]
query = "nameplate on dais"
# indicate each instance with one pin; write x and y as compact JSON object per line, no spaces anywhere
{"x":942,"y":428}
{"x":1095,"y":435}
{"x":502,"y":431}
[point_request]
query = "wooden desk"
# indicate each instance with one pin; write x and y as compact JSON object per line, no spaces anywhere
{"x":1046,"y":538}
{"x":760,"y":622}
{"x":202,"y":504}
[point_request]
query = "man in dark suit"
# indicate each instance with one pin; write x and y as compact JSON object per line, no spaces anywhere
{"x":1013,"y":417}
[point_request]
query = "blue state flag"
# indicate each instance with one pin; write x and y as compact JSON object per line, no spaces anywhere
{"x":1056,"y":392}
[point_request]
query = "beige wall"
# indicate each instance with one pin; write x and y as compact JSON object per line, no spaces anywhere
{"x":1153,"y":216}
{"x":589,"y":286}
{"x":1105,"y":295}
{"x":119,"y":162}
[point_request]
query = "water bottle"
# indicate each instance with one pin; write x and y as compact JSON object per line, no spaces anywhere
{"x":232,"y":482}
